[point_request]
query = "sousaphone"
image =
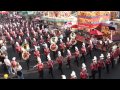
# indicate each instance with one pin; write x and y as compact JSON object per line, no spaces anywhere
{"x":53,"y":40}
{"x":25,"y":55}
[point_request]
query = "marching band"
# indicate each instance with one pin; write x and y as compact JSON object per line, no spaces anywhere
{"x":29,"y":41}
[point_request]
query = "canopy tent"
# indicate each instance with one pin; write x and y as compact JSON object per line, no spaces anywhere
{"x":4,"y":12}
{"x":96,"y":32}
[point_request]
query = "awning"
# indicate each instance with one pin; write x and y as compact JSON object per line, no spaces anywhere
{"x":96,"y":32}
{"x":80,"y":38}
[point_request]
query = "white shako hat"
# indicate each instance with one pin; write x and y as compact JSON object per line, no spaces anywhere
{"x":59,"y":53}
{"x":94,"y":59}
{"x":14,"y":58}
{"x":76,"y":48}
{"x":63,"y":76}
{"x":68,"y":51}
{"x":83,"y":44}
{"x":102,"y":56}
{"x":100,"y":42}
{"x":6,"y":57}
{"x":68,"y":39}
{"x":17,"y":44}
{"x":39,"y":60}
{"x":35,"y":48}
{"x":25,"y":41}
{"x":108,"y":55}
{"x":61,"y":41}
{"x":83,"y":65}
{"x":41,"y":36}
{"x":73,"y":74}
{"x":34,"y":39}
{"x":45,"y":45}
{"x":90,"y":41}
{"x":19,"y":37}
{"x":48,"y":57}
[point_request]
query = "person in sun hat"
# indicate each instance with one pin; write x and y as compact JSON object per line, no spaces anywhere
{"x":108,"y":62}
{"x":18,"y":50}
{"x":83,"y":72}
{"x":73,"y":75}
{"x":77,"y":53}
{"x":59,"y":60}
{"x":50,"y":65}
{"x":93,"y":67}
{"x":100,"y":65}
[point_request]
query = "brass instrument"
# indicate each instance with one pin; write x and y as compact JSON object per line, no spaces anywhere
{"x":25,"y":55}
{"x":73,"y":38}
{"x":53,"y":40}
{"x":53,"y":47}
{"x":25,"y":47}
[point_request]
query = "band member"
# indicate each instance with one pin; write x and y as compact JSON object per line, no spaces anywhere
{"x":36,"y":52}
{"x":28,"y":39}
{"x":73,"y":75}
{"x":12,"y":42}
{"x":69,"y":58}
{"x":83,"y":72}
{"x":83,"y":51}
{"x":13,"y":62}
{"x":50,"y":65}
{"x":40,"y":67}
{"x":14,"y":35}
{"x":34,"y":43}
{"x":18,"y":50}
{"x":77,"y":53}
{"x":63,"y":76}
{"x":93,"y":67}
{"x":41,"y":40}
{"x":59,"y":59}
{"x":48,"y":40}
{"x":20,"y":40}
{"x":62,"y":47}
{"x":46,"y":50}
{"x":26,"y":57}
{"x":100,"y":65}
{"x":68,"y":43}
{"x":90,"y":47}
{"x":108,"y":62}
{"x":21,"y":33}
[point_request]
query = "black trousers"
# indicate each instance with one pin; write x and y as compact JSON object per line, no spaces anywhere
{"x":40,"y":74}
{"x":99,"y":72}
{"x":13,"y":46}
{"x":62,"y":52}
{"x":51,"y":71}
{"x":54,"y":54}
{"x":107,"y":68}
{"x":28,"y":63}
{"x":90,"y":53}
{"x":69,"y":64}
{"x":20,"y":55}
{"x":76,"y":60}
{"x":60,"y":68}
{"x":83,"y":57}
{"x":112,"y":62}
{"x":93,"y":72}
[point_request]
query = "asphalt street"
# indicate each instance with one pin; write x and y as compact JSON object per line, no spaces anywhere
{"x":33,"y":74}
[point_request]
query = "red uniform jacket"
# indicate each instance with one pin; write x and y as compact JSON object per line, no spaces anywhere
{"x":68,"y":58}
{"x":100,"y":64}
{"x":40,"y":67}
{"x":21,"y":34}
{"x":83,"y":74}
{"x":68,"y":44}
{"x":90,"y":47}
{"x":12,"y":42}
{"x":83,"y":50}
{"x":59,"y":59}
{"x":18,"y":48}
{"x":62,"y":46}
{"x":36,"y":53}
{"x":34,"y":43}
{"x":93,"y":66}
{"x":77,"y":53}
{"x":108,"y":61}
{"x":41,"y":41}
{"x":19,"y":41}
{"x":46,"y":51}
{"x":50,"y":64}
{"x":48,"y":40}
{"x":13,"y":63}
